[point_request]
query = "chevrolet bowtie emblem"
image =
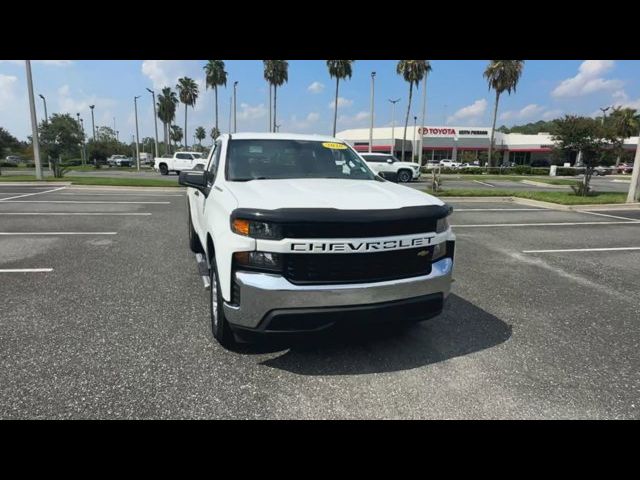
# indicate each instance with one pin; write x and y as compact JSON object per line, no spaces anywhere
{"x":423,"y":253}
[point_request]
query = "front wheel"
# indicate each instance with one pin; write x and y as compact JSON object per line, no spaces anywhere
{"x":219,"y":325}
{"x":404,"y":176}
{"x":163,"y":169}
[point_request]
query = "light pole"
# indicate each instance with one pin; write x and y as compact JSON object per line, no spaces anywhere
{"x":415,"y":127}
{"x":604,"y":113}
{"x":393,"y":125}
{"x":235,"y":105}
{"x":84,"y":149}
{"x":135,"y":108}
{"x":155,"y":118}
{"x":278,"y":127}
{"x":81,"y":144}
{"x":44,"y":100}
{"x":34,"y":122}
{"x":93,"y":124}
{"x":373,"y":76}
{"x":424,"y":109}
{"x":230,"y":111}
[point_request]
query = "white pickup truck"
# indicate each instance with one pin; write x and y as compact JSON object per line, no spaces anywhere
{"x":179,"y":162}
{"x":389,"y":167}
{"x":300,"y":234}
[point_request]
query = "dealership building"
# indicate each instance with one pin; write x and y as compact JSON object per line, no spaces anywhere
{"x":462,"y":144}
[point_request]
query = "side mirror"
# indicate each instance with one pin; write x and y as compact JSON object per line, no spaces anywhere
{"x":193,"y":178}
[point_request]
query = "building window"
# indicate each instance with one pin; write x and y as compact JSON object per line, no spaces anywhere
{"x":520,"y":158}
{"x":441,"y":155}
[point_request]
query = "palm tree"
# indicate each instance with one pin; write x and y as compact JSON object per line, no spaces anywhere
{"x":413,"y":71}
{"x":502,"y":75}
{"x":188,"y":93}
{"x":276,"y":72}
{"x":176,"y":134}
{"x":215,"y":133}
{"x":215,"y":76}
{"x":338,"y":69}
{"x":625,"y":122}
{"x":201,"y":134}
{"x":166,"y":106}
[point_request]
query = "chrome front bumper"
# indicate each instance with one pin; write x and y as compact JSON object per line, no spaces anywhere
{"x":261,"y":293}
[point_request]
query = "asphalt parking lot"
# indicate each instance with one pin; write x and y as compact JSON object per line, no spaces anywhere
{"x":103,"y":315}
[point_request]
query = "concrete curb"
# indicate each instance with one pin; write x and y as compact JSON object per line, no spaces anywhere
{"x":545,"y":185}
{"x":548,"y":205}
{"x":36,"y":184}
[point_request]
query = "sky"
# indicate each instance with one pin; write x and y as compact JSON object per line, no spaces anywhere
{"x":457,"y":93}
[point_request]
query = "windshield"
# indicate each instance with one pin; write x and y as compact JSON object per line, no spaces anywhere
{"x":279,"y":159}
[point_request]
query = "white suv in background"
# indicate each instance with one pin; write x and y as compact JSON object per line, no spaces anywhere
{"x":388,"y":166}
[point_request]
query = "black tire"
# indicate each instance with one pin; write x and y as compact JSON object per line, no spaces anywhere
{"x":194,"y":242}
{"x":219,"y":326}
{"x":163,"y":169}
{"x":404,"y":176}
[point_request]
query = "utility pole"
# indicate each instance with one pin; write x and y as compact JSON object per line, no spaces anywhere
{"x":373,"y":77}
{"x":93,"y":123}
{"x":34,"y":122}
{"x":422,"y":118}
{"x":155,"y":118}
{"x":135,"y":108}
{"x":235,"y":106}
{"x":634,"y":188}
{"x":230,"y":111}
{"x":393,"y":125}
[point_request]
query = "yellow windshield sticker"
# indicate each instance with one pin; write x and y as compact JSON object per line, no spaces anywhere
{"x":334,"y":146}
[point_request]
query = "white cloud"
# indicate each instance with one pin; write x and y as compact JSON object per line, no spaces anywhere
{"x":163,"y":73}
{"x":588,"y":80}
{"x":316,"y":87}
{"x":67,"y":103}
{"x":551,"y":114}
{"x":63,"y":90}
{"x":360,"y":119}
{"x":307,"y":125}
{"x":342,"y":102}
{"x":248,"y":112}
{"x":529,"y":111}
{"x":7,"y":90}
{"x":470,"y":113}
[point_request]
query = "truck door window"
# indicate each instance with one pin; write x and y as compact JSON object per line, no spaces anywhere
{"x":213,"y":164}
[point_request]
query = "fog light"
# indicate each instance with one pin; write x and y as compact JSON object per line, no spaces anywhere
{"x":439,"y":251}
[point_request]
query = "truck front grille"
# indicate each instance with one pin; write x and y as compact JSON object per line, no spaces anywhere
{"x":319,"y":268}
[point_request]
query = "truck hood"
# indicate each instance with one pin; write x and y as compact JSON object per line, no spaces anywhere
{"x":327,"y":193}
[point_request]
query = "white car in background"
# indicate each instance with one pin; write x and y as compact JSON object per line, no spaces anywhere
{"x":388,"y":166}
{"x":450,"y":163}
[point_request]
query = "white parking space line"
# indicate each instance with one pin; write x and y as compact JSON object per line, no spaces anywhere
{"x":554,"y":224}
{"x":122,"y":194}
{"x":607,"y":215}
{"x":483,"y":183}
{"x":85,"y":202}
{"x":56,"y":233}
{"x":29,"y":194}
{"x":611,"y":249}
{"x":501,"y":210}
{"x":25,"y":270}
{"x":106,"y":214}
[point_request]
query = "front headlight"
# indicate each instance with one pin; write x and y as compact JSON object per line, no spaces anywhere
{"x":262,"y":260}
{"x":442,"y":225}
{"x":262,"y":230}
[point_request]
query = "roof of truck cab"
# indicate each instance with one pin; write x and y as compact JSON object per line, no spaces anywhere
{"x":283,"y":136}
